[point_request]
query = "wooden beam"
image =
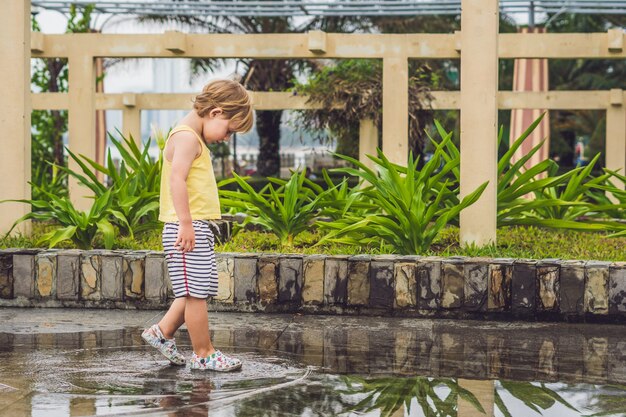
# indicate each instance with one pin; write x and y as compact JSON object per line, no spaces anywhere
{"x":479,"y":118}
{"x":81,"y":122}
{"x":368,"y":141}
{"x":396,"y":109}
{"x":15,"y":158}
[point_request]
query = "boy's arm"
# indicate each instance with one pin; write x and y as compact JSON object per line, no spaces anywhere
{"x":185,"y":151}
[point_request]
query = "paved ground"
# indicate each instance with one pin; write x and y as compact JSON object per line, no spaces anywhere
{"x":72,"y":362}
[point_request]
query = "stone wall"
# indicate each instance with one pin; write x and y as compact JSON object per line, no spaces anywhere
{"x":548,"y":289}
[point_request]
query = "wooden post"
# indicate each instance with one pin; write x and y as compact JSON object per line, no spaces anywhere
{"x":131,"y":118}
{"x":15,"y":108}
{"x":484,"y":391}
{"x":616,"y":132}
{"x":81,"y":121}
{"x":396,"y":109}
{"x":368,"y":141}
{"x":479,"y":117}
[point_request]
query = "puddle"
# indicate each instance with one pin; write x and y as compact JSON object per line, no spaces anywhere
{"x":319,"y":369}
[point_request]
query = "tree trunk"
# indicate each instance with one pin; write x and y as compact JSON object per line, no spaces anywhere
{"x":268,"y":128}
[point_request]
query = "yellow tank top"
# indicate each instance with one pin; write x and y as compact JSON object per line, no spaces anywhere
{"x":204,"y":202}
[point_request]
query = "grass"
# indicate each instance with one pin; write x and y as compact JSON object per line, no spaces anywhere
{"x":513,"y":242}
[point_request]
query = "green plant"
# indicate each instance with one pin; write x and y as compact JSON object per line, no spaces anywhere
{"x":390,"y":394}
{"x":536,"y":397}
{"x":414,"y":205}
{"x":286,"y":211}
{"x":537,"y":196}
{"x":77,"y":226}
{"x":134,"y":184}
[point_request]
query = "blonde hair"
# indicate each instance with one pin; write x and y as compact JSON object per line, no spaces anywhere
{"x":232,"y":98}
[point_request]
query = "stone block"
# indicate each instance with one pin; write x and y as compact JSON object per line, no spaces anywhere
{"x":226,"y":278}
{"x":597,"y":287}
{"x":405,"y":349}
{"x":572,"y":286}
{"x":268,"y":278}
{"x":156,"y":277}
{"x":313,"y":346}
{"x":358,"y":350}
{"x":452,"y":354}
{"x":46,"y":267}
{"x":617,"y":288}
{"x":290,"y":279}
{"x":358,"y":280}
{"x":6,"y":274}
{"x":245,"y":279}
{"x":313,"y":279}
{"x":68,"y":275}
{"x":452,"y":285}
{"x":547,"y":369}
{"x":548,"y":288}
{"x":113,"y":277}
{"x":499,"y":289}
{"x":381,"y":274}
{"x":335,"y":350}
{"x":596,"y":355}
{"x":90,"y":275}
{"x":405,"y":277}
{"x":570,"y":356}
{"x":616,"y":361}
{"x":24,"y":275}
{"x":475,"y":359}
{"x":498,"y":357}
{"x":429,"y":283}
{"x":133,"y":270}
{"x":524,"y":366}
{"x":336,"y":280}
{"x":523,"y":287}
{"x":476,"y":274}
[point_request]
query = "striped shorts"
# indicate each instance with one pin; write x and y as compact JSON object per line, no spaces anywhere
{"x":192,"y":273}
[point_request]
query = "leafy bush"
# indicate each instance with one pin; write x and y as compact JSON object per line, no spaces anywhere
{"x":538,"y":196}
{"x":286,"y":211}
{"x":414,"y":205}
{"x":130,"y":203}
{"x":77,"y":226}
{"x":134,"y":185}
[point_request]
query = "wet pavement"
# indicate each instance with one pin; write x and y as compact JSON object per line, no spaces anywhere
{"x":72,"y":362}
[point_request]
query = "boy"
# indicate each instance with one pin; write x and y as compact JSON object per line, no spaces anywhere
{"x":189,"y":200}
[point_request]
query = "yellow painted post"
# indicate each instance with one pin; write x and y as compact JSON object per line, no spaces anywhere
{"x":396,"y":109}
{"x":131,"y":118}
{"x":616,"y":132}
{"x":479,"y":117}
{"x":81,"y":121}
{"x":15,"y":108}
{"x":368,"y":141}
{"x":484,"y":391}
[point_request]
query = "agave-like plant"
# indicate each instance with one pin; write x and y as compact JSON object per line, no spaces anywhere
{"x":537,"y":196}
{"x":414,"y":206}
{"x":77,"y":226}
{"x":286,"y":211}
{"x":390,"y":394}
{"x":134,"y":184}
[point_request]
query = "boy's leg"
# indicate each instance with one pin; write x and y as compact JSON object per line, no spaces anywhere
{"x":197,"y":320}
{"x":161,"y":335}
{"x":174,"y":318}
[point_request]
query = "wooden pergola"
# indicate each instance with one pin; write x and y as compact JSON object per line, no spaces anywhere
{"x":478,"y":45}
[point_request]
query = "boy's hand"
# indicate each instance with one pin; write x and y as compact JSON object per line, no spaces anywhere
{"x":186,"y":240}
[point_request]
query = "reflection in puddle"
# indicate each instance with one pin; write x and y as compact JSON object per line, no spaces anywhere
{"x":327,"y":371}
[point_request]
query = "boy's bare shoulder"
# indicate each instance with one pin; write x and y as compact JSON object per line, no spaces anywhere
{"x":183,"y":136}
{"x":182,"y":142}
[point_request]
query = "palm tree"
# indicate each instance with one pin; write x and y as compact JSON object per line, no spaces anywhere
{"x":261,"y":74}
